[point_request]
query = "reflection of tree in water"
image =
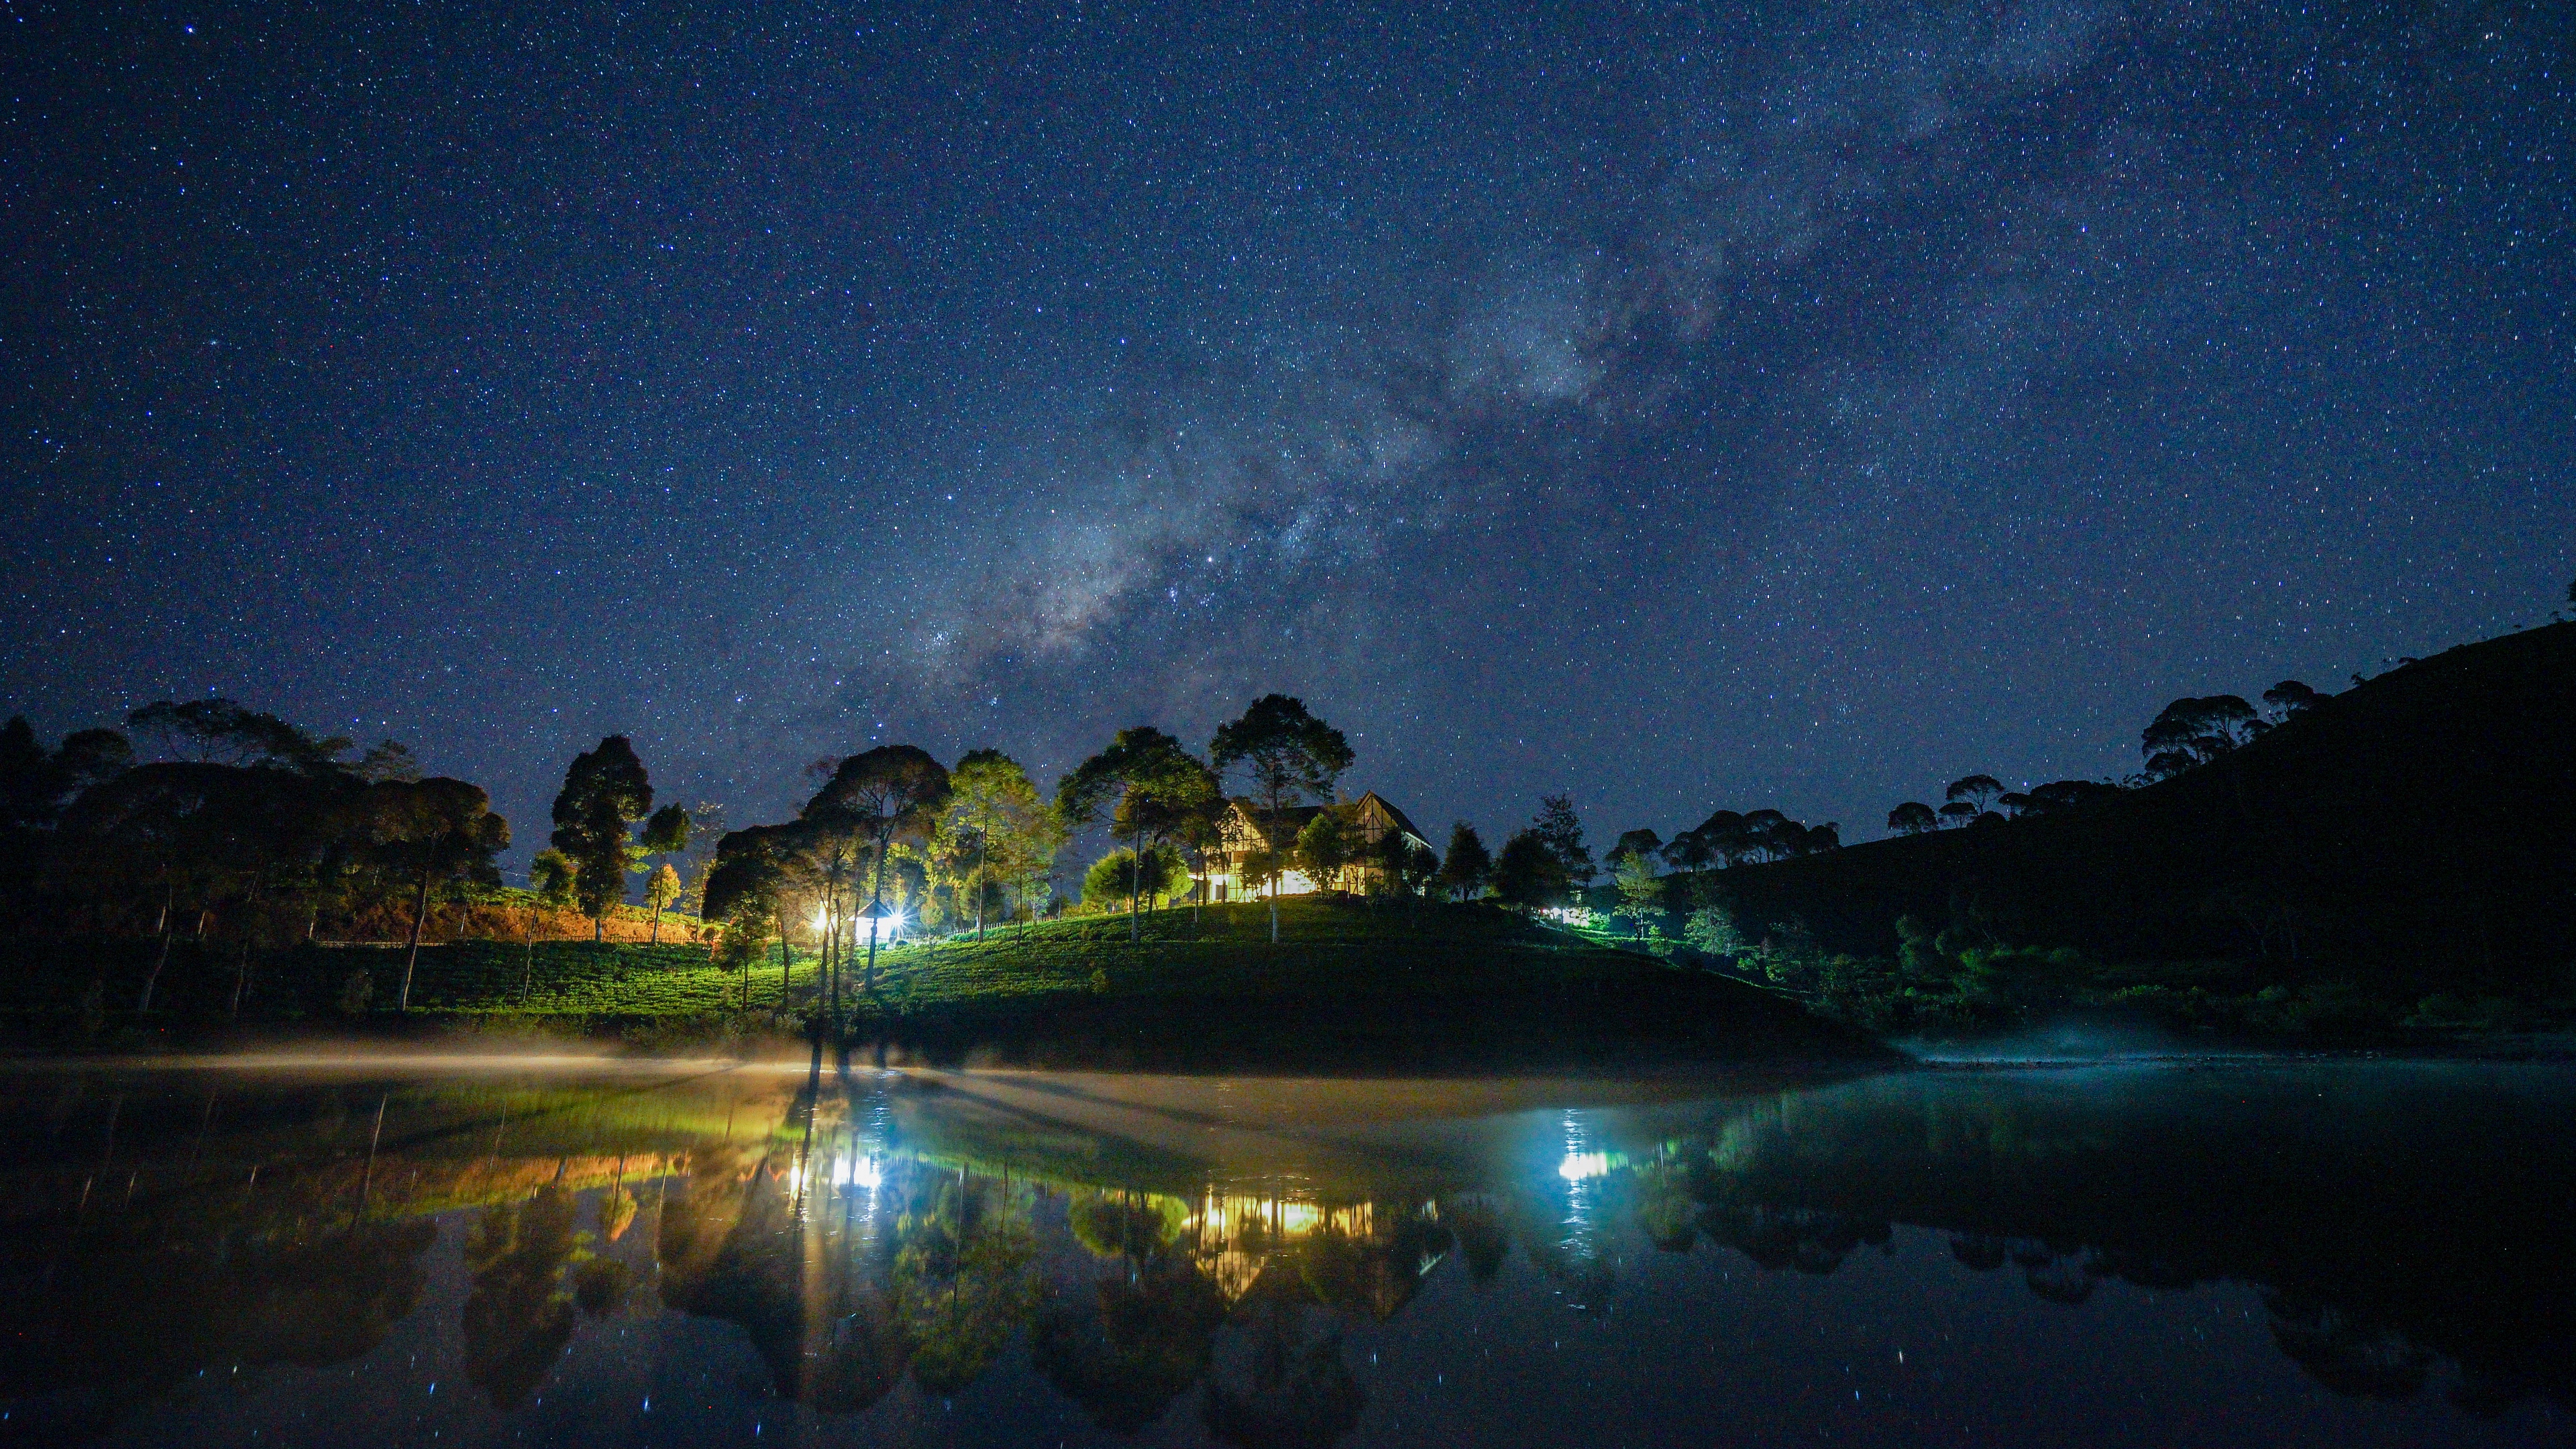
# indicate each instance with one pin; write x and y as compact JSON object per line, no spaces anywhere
{"x":1291,"y":1388}
{"x":2362,"y":1360}
{"x":964,"y":1275}
{"x":1483,"y":1240}
{"x":1148,"y":1330}
{"x":129,"y":1312}
{"x":1801,"y":1238}
{"x":734,"y":1246}
{"x":518,"y":1315}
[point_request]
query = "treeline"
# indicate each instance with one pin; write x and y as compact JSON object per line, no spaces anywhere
{"x":218,"y":824}
{"x":2186,"y":734}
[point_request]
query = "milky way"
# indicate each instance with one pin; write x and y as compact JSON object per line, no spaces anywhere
{"x":1683,"y":407}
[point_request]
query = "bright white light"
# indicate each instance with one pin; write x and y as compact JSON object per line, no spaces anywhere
{"x":864,"y":1172}
{"x":880,"y":929}
{"x":1581,"y":1165}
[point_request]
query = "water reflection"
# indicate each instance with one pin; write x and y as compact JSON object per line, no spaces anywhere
{"x":879,"y":1241}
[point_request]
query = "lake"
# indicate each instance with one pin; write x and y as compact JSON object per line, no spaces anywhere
{"x":463,"y":1253}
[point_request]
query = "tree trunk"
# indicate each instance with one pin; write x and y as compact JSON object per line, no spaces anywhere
{"x":876,"y":907}
{"x":1135,"y":879}
{"x":782,"y":961}
{"x":656,"y":938}
{"x":167,"y":891}
{"x":241,"y":963}
{"x":419,"y":913}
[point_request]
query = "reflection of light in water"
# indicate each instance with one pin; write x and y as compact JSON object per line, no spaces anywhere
{"x":864,"y":1172}
{"x":1234,"y":1234}
{"x":1578,"y":1166}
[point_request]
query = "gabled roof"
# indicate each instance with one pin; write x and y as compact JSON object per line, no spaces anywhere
{"x":1402,"y":822}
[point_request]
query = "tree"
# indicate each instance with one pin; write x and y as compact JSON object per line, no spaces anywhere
{"x":220,"y":732}
{"x":1960,"y":812}
{"x":1561,"y":831}
{"x":2289,"y":699}
{"x":604,"y":793}
{"x":1325,"y":848}
{"x":1637,"y":842}
{"x":388,"y":760}
{"x":433,"y":830}
{"x":1116,"y":875}
{"x":1468,"y":863}
{"x":2058,"y":796}
{"x":1528,"y":875}
{"x":551,"y":876}
{"x":890,"y":793}
{"x":1641,"y":891}
{"x":660,"y":889}
{"x":1976,"y":789}
{"x":1912,"y":818}
{"x":994,"y":811}
{"x":1286,"y":755}
{"x":746,"y":890}
{"x":2191,"y":732}
{"x":1161,"y":792}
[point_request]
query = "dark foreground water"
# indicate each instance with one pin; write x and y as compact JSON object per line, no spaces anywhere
{"x":2153,"y":1254}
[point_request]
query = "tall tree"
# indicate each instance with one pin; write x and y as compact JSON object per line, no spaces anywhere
{"x":1286,"y":755}
{"x":999,"y":822}
{"x":1463,"y":872}
{"x":2195,"y":731}
{"x":1561,"y":830}
{"x":1528,"y":874}
{"x":746,"y":889}
{"x":888,"y":794}
{"x":432,"y":831}
{"x":666,"y":834}
{"x":1641,"y":891}
{"x":604,"y":793}
{"x":1157,"y":792}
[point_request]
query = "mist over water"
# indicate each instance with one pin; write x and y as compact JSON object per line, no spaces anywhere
{"x":494,"y":1251}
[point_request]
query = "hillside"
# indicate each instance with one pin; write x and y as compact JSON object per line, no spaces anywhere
{"x":2414,"y":834}
{"x":1412,"y":986}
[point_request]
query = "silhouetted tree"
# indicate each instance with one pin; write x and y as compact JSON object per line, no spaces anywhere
{"x":1528,"y":875}
{"x":429,"y":832}
{"x":2192,"y":732}
{"x":1562,"y":832}
{"x":1463,"y":873}
{"x":1636,"y":842}
{"x":1976,"y":789}
{"x":2288,"y":699}
{"x":1912,"y":818}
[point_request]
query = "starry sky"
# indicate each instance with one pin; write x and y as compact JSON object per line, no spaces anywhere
{"x":1682,"y":406}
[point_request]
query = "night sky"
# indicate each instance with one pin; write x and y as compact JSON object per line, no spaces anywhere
{"x":1682,"y":406}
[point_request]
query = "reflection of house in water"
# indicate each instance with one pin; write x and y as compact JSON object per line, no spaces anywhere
{"x":1358,"y":1255}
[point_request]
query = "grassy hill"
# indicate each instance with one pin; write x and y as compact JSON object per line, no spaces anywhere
{"x":1399,"y":986}
{"x":2412,"y":837}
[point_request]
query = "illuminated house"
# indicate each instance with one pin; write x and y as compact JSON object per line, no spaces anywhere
{"x":1240,"y":829}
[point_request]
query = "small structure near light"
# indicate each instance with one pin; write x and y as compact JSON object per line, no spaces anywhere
{"x":878,"y":923}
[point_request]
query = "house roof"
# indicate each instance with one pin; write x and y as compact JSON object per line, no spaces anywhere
{"x":1402,"y":821}
{"x":1286,"y":825}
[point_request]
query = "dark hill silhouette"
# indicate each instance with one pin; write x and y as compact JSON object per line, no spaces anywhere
{"x":2417,"y":831}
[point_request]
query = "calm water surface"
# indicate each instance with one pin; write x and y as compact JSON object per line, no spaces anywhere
{"x":2157,"y":1254}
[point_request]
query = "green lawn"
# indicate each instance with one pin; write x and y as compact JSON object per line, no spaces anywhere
{"x":1384,"y":981}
